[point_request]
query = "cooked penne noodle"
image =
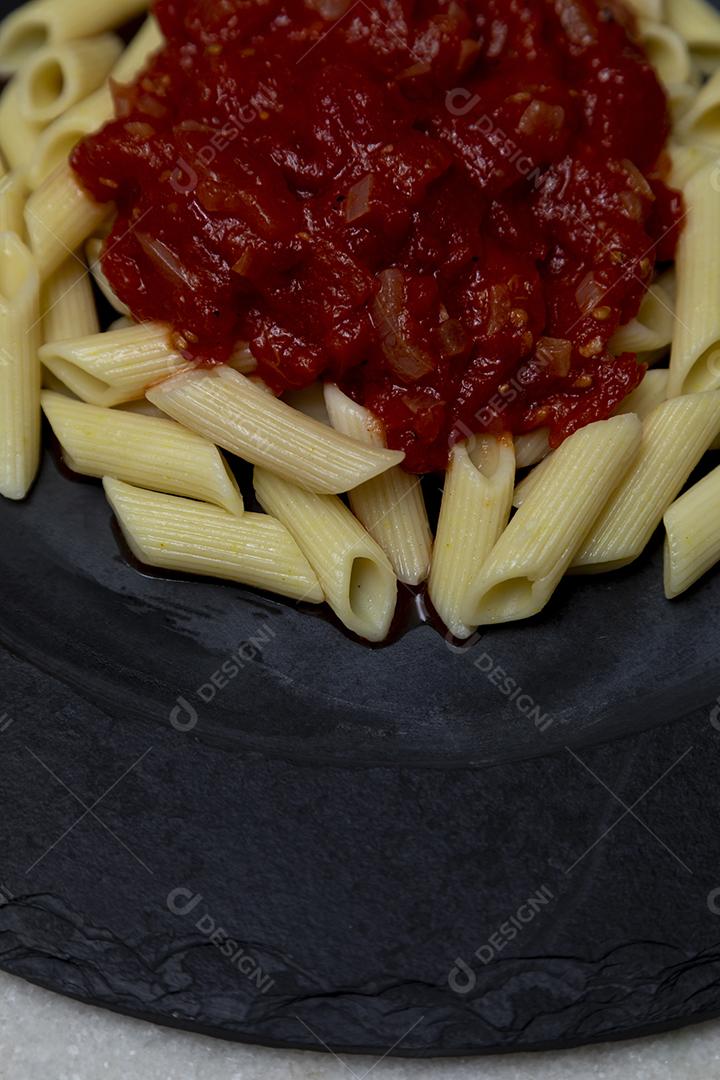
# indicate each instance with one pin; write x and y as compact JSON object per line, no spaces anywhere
{"x":195,"y":538}
{"x":156,"y":454}
{"x":697,"y":23}
{"x":59,"y":76}
{"x":653,"y":328}
{"x":675,"y":437}
{"x":19,"y":368}
{"x":108,"y":369}
{"x":692,"y":542}
{"x":310,"y":401}
{"x":476,"y":504}
{"x":685,"y":162}
{"x":229,"y":409}
{"x":93,"y":251}
{"x":50,"y":382}
{"x":651,"y":392}
{"x":647,"y":9}
{"x":59,"y":217}
{"x":695,"y":358}
{"x":668,"y":53}
{"x":68,"y":304}
{"x":44,"y":22}
{"x":532,"y":555}
{"x":701,"y":123}
{"x":18,"y":139}
{"x":392,"y":506}
{"x":13,"y":196}
{"x":54,"y":145}
{"x":354,"y":573}
{"x":531,"y":448}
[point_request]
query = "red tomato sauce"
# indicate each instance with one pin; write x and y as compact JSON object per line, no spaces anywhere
{"x":448,"y":207}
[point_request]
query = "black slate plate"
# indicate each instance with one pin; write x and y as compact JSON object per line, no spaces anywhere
{"x":222,"y":813}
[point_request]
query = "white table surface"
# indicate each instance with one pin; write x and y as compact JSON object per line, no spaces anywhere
{"x":46,"y":1037}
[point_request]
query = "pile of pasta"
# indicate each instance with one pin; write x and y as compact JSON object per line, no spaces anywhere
{"x":342,"y":522}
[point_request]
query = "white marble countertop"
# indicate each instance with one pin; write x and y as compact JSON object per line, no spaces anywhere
{"x":46,"y":1037}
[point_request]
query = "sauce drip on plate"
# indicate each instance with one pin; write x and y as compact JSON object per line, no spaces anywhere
{"x":447,"y":207}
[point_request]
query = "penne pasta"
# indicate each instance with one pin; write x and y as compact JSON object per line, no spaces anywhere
{"x":692,"y":542}
{"x":13,"y":195}
{"x":531,"y":448}
{"x":476,"y":504}
{"x":55,"y":144}
{"x":651,"y":392}
{"x":59,"y":76}
{"x":149,"y":453}
{"x":59,"y":217}
{"x":194,"y":538}
{"x":68,"y":304}
{"x":701,"y":123}
{"x":695,"y":358}
{"x":108,"y":369}
{"x":534,"y":552}
{"x":653,"y":328}
{"x":668,"y":53}
{"x":229,"y":409}
{"x":19,"y":368}
{"x":685,"y":162}
{"x":354,"y":573}
{"x":391,"y":506}
{"x":50,"y":22}
{"x":94,"y":251}
{"x":675,"y":437}
{"x":697,"y":23}
{"x":18,"y":138}
{"x":647,"y":9}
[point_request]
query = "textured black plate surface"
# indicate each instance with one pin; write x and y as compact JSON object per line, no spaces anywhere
{"x":417,"y":848}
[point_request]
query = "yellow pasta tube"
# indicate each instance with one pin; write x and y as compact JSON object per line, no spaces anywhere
{"x":653,"y":327}
{"x":59,"y":217}
{"x":698,"y":24}
{"x":391,"y":506}
{"x":701,"y":123}
{"x":19,"y":368}
{"x":667,"y":52}
{"x":54,"y":145}
{"x":108,"y":369}
{"x":149,"y":453}
{"x":651,"y":392}
{"x":13,"y":195}
{"x":531,"y":448}
{"x":229,"y":409}
{"x":532,"y":555}
{"x":94,"y":250}
{"x":18,"y":138}
{"x":647,"y":9}
{"x":476,"y":503}
{"x":354,"y":573}
{"x":194,"y":538}
{"x":43,"y":22}
{"x":692,"y":543}
{"x":695,"y":358}
{"x":675,"y":437}
{"x":68,"y":304}
{"x":58,"y":76}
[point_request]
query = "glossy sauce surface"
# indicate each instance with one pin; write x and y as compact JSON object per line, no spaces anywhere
{"x":449,"y":208}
